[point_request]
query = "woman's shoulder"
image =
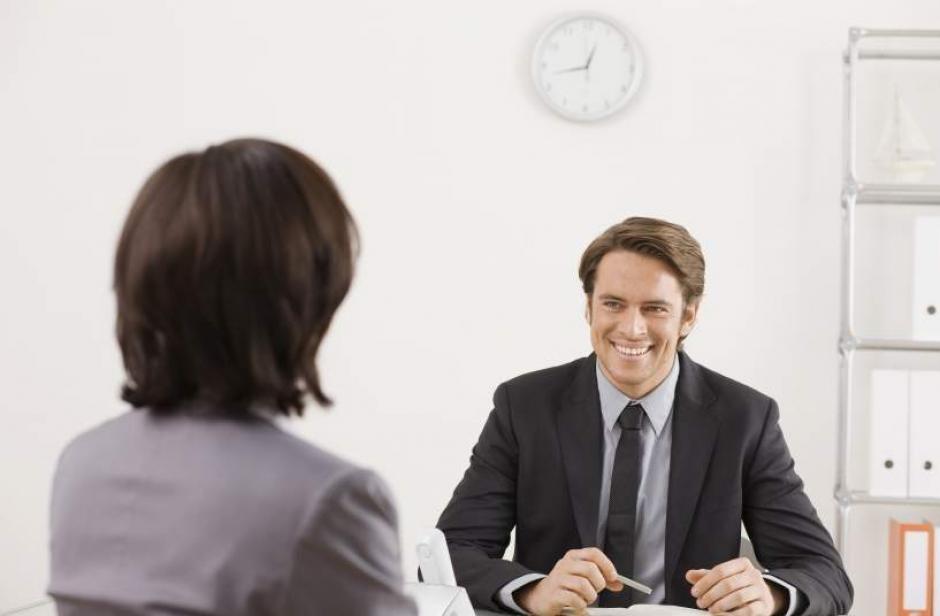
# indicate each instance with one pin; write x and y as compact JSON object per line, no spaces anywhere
{"x":258,"y":447}
{"x":221,"y":464}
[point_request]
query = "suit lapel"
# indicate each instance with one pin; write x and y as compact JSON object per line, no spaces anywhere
{"x":580,"y":432}
{"x":694,"y":431}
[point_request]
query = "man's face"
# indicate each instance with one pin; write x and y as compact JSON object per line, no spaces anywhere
{"x":636,"y":316}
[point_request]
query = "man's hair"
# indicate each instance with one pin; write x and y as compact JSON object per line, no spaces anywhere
{"x":230,"y":266}
{"x":669,"y":243}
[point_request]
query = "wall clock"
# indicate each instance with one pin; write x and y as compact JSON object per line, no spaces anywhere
{"x":586,"y":67}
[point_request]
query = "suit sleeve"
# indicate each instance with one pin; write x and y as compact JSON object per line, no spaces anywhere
{"x":481,"y":514}
{"x":348,"y":559}
{"x":788,"y":537}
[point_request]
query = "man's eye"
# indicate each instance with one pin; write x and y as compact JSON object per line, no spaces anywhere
{"x":657,"y":309}
{"x":611,"y":305}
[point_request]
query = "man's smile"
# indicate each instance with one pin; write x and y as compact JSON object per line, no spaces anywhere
{"x":631,"y":351}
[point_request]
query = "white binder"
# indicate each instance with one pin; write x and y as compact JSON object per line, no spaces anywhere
{"x":910,"y":569}
{"x":926,"y":300}
{"x":923,"y":462}
{"x":888,"y":447}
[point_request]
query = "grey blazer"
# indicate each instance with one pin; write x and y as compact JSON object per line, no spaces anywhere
{"x":200,"y":516}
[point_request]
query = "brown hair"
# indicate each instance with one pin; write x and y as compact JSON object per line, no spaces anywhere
{"x":668,"y":242}
{"x":230,"y":266}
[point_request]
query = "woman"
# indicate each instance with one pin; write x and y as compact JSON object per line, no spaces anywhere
{"x":229,"y":269}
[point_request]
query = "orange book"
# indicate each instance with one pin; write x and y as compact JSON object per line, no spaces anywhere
{"x":910,"y":569}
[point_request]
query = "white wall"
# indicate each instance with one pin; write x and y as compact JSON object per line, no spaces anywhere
{"x":474,"y":203}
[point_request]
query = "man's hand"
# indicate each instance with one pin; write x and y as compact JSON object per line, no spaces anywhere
{"x":735,"y":587}
{"x":574,"y":582}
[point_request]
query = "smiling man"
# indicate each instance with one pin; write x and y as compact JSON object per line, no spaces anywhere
{"x":637,"y":461}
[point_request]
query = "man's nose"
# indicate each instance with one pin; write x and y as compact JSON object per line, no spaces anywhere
{"x":633,"y":325}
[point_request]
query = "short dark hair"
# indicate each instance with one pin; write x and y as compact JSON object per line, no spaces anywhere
{"x":230,"y":266}
{"x":668,"y":242}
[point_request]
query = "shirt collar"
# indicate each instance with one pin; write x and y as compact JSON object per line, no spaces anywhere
{"x":657,"y":403}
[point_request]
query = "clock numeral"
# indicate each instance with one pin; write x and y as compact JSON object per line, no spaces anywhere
{"x":623,"y":89}
{"x":625,"y":46}
{"x":548,"y":87}
{"x":606,"y":104}
{"x":544,"y":64}
{"x":564,"y":101}
{"x":584,"y":108}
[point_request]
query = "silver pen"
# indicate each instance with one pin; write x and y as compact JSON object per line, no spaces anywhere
{"x":570,"y":611}
{"x":634,"y":584}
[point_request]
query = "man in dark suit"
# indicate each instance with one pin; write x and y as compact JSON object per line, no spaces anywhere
{"x":638,"y":461}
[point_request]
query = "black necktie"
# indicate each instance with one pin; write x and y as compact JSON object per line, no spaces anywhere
{"x":621,"y":517}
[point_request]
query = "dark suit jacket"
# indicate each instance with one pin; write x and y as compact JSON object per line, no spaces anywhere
{"x":537,"y":467}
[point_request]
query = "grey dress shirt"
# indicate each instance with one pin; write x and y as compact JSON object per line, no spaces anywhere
{"x":653,"y":495}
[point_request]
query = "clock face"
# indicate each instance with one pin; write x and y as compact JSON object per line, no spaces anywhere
{"x":586,"y":67}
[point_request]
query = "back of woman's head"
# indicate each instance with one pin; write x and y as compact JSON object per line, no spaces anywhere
{"x":229,"y":269}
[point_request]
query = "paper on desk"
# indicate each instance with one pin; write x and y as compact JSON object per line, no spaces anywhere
{"x":639,"y":609}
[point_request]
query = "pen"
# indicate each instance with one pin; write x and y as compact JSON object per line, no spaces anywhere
{"x":570,"y":611}
{"x":634,"y":584}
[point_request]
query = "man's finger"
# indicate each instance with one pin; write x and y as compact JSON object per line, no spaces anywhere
{"x":724,"y":588}
{"x":736,"y":599}
{"x":606,"y":566}
{"x":717,"y":573}
{"x":754,"y":608}
{"x":731,"y":567}
{"x":694,"y":575}
{"x":567,"y":598}
{"x":579,"y":585}
{"x":590,"y":571}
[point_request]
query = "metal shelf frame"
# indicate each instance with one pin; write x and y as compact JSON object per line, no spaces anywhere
{"x":863,"y":498}
{"x":896,"y":194}
{"x":856,"y":194}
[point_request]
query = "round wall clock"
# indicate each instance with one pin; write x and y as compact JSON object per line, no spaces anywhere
{"x":586,"y":67}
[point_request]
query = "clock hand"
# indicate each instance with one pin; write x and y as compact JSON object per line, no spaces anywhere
{"x":587,"y":64}
{"x":573,"y":69}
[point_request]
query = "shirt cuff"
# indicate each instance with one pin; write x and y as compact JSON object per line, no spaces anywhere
{"x":505,"y":593}
{"x":794,"y":596}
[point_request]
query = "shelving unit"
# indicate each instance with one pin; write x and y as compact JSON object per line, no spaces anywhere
{"x":855,"y":194}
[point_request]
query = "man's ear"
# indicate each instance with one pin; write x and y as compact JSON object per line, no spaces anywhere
{"x":689,"y":315}
{"x":587,"y":309}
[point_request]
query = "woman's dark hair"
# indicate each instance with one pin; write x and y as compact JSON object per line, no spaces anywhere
{"x":229,"y":269}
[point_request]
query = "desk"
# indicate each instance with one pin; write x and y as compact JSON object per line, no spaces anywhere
{"x":46,"y":608}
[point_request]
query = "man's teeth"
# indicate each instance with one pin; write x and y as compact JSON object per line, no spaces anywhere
{"x":632,"y":351}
